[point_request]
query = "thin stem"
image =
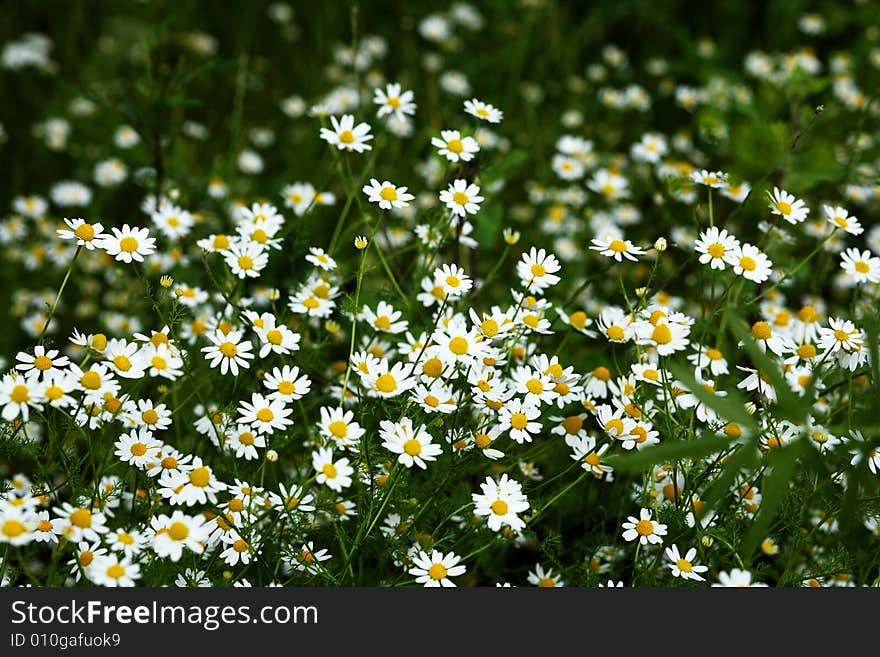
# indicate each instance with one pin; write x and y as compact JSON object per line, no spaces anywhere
{"x":58,"y":296}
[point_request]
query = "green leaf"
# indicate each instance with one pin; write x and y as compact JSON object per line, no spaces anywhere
{"x":668,"y":451}
{"x":788,"y":405}
{"x":773,"y":491}
{"x":742,"y":460}
{"x":489,"y":224}
{"x":730,"y":408}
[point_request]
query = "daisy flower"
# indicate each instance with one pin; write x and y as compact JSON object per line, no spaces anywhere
{"x":617,"y":249}
{"x":128,"y":244}
{"x":265,"y":415}
{"x":391,"y":101}
{"x":713,"y":245}
{"x":861,"y":266}
{"x":126,"y":358}
{"x":277,"y":338}
{"x":462,"y":198}
{"x":42,"y":362}
{"x":643,"y":529}
{"x":840,"y":218}
{"x":713,"y":179}
{"x":434,"y":399}
{"x":336,"y":475}
{"x":244,"y":443}
{"x":483,"y":111}
{"x":544,"y":579}
{"x":246,"y":259}
{"x":171,"y":534}
{"x":841,"y":334}
{"x":197,"y":485}
{"x":749,"y":262}
{"x":736,"y":578}
{"x":85,"y":234}
{"x":435,"y":570}
{"x":683,"y":566}
{"x":319,"y":258}
{"x":387,"y":195}
{"x":79,"y":523}
{"x":455,"y":147}
{"x":308,"y":559}
{"x":339,"y":425}
{"x":500,"y":502}
{"x":389,"y":381}
{"x":792,"y":209}
{"x":138,"y":447}
{"x":346,"y":136}
{"x":112,"y":571}
{"x":413,"y":444}
{"x":385,"y":318}
{"x":537,"y":270}
{"x":286,"y":383}
{"x":453,"y":280}
{"x":229,"y":351}
{"x":517,"y":417}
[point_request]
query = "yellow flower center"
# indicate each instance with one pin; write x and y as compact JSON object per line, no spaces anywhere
{"x":388,"y":194}
{"x":618,"y":246}
{"x":614,"y":332}
{"x":19,"y":394}
{"x":499,"y":507}
{"x":455,"y":146}
{"x":42,"y":363}
{"x":602,"y":373}
{"x":615,"y":424}
{"x":128,"y":244}
{"x":85,"y":232}
{"x":578,"y":319}
{"x":661,"y":334}
{"x":346,"y":137}
{"x":518,"y":421}
{"x":138,"y":449}
{"x":386,"y":383}
{"x":245,"y":262}
{"x":412,"y":447}
{"x":228,"y":349}
{"x":460,"y":198}
{"x":645,"y":527}
{"x":12,"y":528}
{"x":437,"y":571}
{"x":178,"y":531}
{"x":783,"y":207}
{"x":806,"y":351}
{"x":81,"y":518}
{"x":747,"y":263}
{"x":716,"y":250}
{"x":761,"y":331}
{"x":538,"y":270}
{"x":91,"y":380}
{"x":265,"y":415}
{"x":862,"y":267}
{"x":684,"y":565}
{"x":200,"y":477}
{"x":458,"y":346}
{"x":329,"y":471}
{"x":338,"y":428}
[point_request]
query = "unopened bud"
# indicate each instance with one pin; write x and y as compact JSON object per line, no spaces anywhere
{"x":707,"y":540}
{"x":272,"y":456}
{"x":660,"y":244}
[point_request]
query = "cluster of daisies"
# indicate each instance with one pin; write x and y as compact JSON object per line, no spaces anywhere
{"x":300,"y":404}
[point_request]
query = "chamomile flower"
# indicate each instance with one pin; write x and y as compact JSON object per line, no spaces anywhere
{"x":112,"y":571}
{"x":197,"y":485}
{"x":684,"y":566}
{"x":85,"y":234}
{"x":736,"y":578}
{"x":246,"y":259}
{"x":392,"y":101}
{"x":171,"y":534}
{"x":387,"y":195}
{"x":435,"y":570}
{"x":462,"y":198}
{"x":286,"y":383}
{"x":455,"y":147}
{"x":500,"y":502}
{"x":643,"y":529}
{"x":749,"y":262}
{"x":128,"y":244}
{"x":228,"y":351}
{"x":518,"y":418}
{"x":713,"y":179}
{"x":544,"y":578}
{"x":137,"y":447}
{"x":860,"y":266}
{"x":787,"y":206}
{"x":840,"y":334}
{"x":385,"y":318}
{"x":483,"y":111}
{"x":244,"y":442}
{"x":452,"y":280}
{"x":414,"y":445}
{"x":617,"y":249}
{"x":347,"y":136}
{"x":265,"y":415}
{"x":339,"y":426}
{"x":537,"y":270}
{"x":713,"y":245}
{"x":840,"y":218}
{"x":336,"y":475}
{"x":320,"y":259}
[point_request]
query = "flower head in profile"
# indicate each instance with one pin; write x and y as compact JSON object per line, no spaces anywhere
{"x":347,"y":136}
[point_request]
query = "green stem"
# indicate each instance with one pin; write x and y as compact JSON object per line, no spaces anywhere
{"x":58,"y":296}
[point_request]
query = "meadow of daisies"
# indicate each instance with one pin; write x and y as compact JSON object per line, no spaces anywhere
{"x":491,"y":294}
